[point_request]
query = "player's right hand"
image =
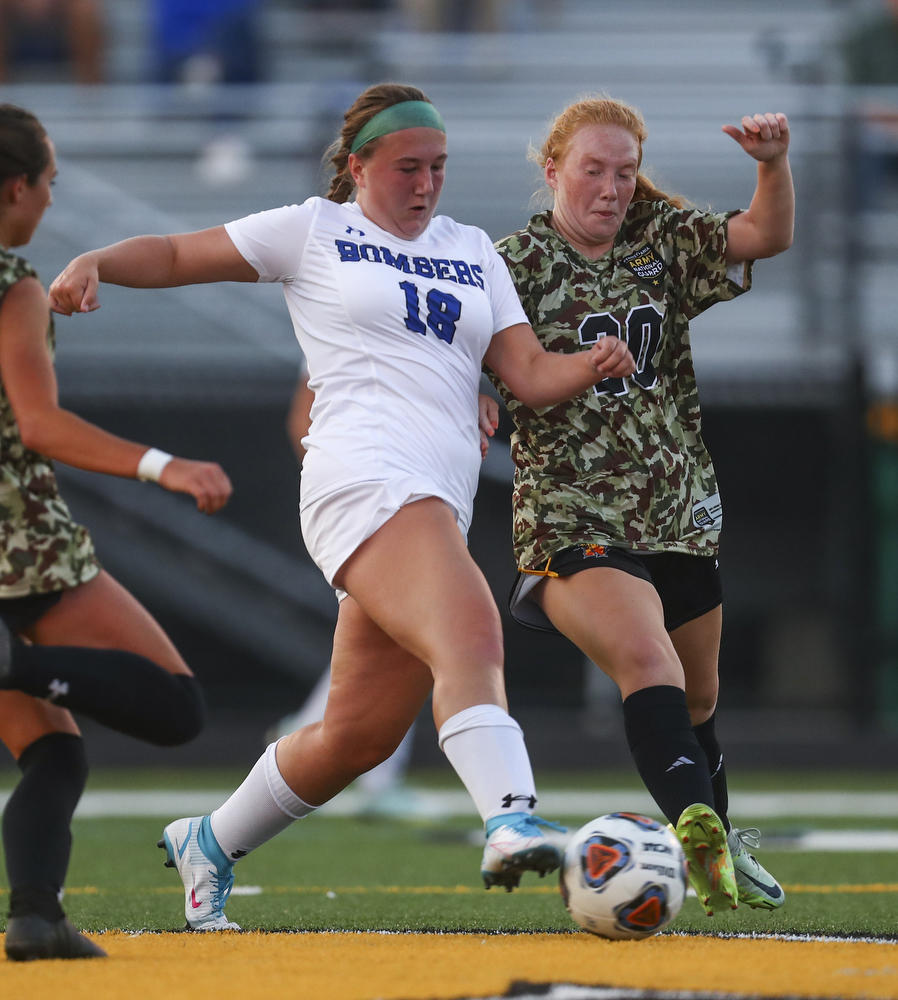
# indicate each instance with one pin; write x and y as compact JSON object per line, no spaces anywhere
{"x":75,"y":290}
{"x":206,"y":482}
{"x":612,"y":358}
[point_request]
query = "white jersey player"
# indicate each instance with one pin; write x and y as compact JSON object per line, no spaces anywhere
{"x":395,"y":311}
{"x":395,"y":416}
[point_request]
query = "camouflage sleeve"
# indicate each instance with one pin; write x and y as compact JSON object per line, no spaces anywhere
{"x":698,"y":243}
{"x":522,"y":261}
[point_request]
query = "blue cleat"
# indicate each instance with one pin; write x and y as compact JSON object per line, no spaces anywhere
{"x":205,"y":871}
{"x":515,"y":844}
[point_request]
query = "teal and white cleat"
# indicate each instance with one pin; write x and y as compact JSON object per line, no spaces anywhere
{"x":515,"y":844}
{"x":205,"y":871}
{"x":757,"y":887}
{"x":704,"y":841}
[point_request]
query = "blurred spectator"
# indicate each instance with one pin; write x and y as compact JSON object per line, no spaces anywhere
{"x":455,"y":15}
{"x":207,"y":41}
{"x":871,"y":59}
{"x":52,"y":33}
{"x":871,"y":52}
{"x":332,"y":5}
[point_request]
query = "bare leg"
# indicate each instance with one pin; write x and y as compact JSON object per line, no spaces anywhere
{"x":618,"y":621}
{"x":698,"y":646}
{"x":377,"y":689}
{"x":421,"y":604}
{"x":103,"y":615}
{"x":99,"y":653}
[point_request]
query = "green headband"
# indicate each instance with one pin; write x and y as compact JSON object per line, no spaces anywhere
{"x":407,"y":114}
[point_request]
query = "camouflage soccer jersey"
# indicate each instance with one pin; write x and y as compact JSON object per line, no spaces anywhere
{"x":42,"y":548}
{"x":623,"y":464}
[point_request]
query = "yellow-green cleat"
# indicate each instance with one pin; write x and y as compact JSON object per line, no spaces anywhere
{"x":711,"y":873}
{"x":757,"y":887}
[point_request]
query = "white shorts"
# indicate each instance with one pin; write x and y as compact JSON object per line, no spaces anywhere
{"x":335,"y":525}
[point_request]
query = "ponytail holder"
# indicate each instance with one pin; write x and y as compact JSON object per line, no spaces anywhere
{"x":406,"y":114}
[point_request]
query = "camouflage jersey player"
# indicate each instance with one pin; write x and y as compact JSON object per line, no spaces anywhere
{"x":635,"y":472}
{"x":616,"y":508}
{"x":89,"y":646}
{"x":42,"y":550}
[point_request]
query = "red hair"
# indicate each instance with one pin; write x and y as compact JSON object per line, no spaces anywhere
{"x":602,"y":111}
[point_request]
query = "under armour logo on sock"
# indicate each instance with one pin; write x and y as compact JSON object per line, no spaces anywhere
{"x":58,"y":689}
{"x":679,"y":762}
{"x":237,"y":855}
{"x":529,"y":799}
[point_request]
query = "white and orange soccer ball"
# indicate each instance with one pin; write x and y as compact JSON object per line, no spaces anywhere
{"x":623,"y":876}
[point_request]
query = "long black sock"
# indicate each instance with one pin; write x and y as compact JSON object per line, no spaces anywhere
{"x":707,"y":740}
{"x":37,"y":840}
{"x":667,"y":754}
{"x":121,"y":690}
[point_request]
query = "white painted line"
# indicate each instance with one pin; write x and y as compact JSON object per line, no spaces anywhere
{"x":427,"y":804}
{"x":847,"y":840}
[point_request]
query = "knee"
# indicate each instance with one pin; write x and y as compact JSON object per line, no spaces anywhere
{"x":645,"y":662}
{"x":701,"y":704}
{"x":186,"y":713}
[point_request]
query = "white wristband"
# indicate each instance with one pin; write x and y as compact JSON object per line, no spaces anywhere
{"x":152,"y":463}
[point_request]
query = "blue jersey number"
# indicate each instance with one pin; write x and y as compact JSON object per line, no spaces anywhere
{"x":443,"y":311}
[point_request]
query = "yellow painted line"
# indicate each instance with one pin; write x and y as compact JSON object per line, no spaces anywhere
{"x":443,"y":966}
{"x":436,"y":890}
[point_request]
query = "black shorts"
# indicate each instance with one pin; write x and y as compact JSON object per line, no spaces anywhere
{"x":19,"y":613}
{"x":689,"y":586}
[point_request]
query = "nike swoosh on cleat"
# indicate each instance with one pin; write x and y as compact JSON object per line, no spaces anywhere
{"x":181,"y":848}
{"x":772,"y":890}
{"x":193,"y":901}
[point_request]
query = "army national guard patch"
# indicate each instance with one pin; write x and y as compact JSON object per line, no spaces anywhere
{"x":646,"y":265}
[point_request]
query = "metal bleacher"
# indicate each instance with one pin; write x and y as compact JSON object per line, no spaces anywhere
{"x":131,"y":157}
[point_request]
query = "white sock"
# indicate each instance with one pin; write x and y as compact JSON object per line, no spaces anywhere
{"x":258,"y":810}
{"x":486,"y":747}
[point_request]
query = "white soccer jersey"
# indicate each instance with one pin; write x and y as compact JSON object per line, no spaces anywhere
{"x":394,"y":332}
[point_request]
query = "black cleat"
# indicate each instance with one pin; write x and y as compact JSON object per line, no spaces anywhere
{"x":32,"y":937}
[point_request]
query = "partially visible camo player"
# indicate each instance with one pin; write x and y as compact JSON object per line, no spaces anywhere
{"x":88,"y":647}
{"x":616,"y":506}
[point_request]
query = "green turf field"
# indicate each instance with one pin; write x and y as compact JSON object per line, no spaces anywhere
{"x":352,"y":874}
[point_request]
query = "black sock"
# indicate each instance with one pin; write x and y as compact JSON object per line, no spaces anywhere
{"x":121,"y":690}
{"x":667,"y":754}
{"x":707,"y":740}
{"x":37,"y":840}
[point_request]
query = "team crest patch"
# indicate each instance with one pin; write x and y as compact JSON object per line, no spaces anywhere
{"x":646,"y":265}
{"x":708,"y":513}
{"x":594,"y":551}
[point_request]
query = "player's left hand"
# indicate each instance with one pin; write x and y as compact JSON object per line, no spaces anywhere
{"x":765,"y":137}
{"x":612,"y":358}
{"x":206,"y":482}
{"x":488,"y":413}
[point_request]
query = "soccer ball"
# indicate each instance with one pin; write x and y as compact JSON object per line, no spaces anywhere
{"x":623,"y":876}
